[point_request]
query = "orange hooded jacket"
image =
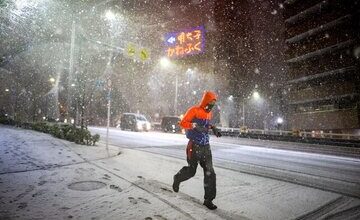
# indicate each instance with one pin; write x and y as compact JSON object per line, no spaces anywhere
{"x":198,"y":114}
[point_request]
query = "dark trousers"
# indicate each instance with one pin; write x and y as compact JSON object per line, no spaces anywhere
{"x":199,"y":154}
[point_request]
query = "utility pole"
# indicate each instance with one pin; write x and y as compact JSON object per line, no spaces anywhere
{"x":108,"y":116}
{"x":71,"y":70}
{"x":108,"y":75}
{"x":243,"y":113}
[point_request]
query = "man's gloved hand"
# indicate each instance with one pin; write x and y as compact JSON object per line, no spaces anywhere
{"x":200,"y":128}
{"x":216,"y":131}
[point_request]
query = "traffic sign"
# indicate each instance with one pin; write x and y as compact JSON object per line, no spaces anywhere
{"x":131,"y":50}
{"x":144,"y":54}
{"x":134,"y":51}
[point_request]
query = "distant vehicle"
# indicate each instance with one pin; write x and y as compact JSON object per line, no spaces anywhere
{"x":170,"y":124}
{"x":244,"y":129}
{"x":134,"y":122}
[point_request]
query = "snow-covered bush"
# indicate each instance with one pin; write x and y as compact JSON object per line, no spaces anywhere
{"x":63,"y":131}
{"x":6,"y":120}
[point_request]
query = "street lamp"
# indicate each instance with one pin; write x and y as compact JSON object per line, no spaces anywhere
{"x":279,"y":122}
{"x":256,"y":95}
{"x":109,"y":15}
{"x":165,"y":62}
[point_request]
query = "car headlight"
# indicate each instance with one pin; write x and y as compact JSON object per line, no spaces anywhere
{"x":148,"y":126}
{"x":139,"y":126}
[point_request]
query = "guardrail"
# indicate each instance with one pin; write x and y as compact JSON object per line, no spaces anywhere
{"x":295,"y":136}
{"x":331,"y":135}
{"x":292,"y":133}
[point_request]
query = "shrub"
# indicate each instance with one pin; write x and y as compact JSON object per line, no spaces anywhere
{"x":82,"y":136}
{"x":41,"y":126}
{"x":70,"y":133}
{"x":56,"y":131}
{"x":6,"y":120}
{"x":95,"y":138}
{"x":79,"y":135}
{"x":64,"y":131}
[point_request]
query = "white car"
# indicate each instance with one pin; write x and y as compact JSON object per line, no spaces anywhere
{"x":134,"y":122}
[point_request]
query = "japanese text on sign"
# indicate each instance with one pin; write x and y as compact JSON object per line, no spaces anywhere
{"x":179,"y":44}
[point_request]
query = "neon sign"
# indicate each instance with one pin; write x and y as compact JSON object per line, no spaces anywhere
{"x":183,"y":43}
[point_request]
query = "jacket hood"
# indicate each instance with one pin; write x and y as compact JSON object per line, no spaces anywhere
{"x":207,"y":97}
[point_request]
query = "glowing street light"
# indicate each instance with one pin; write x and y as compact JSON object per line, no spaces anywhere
{"x":190,"y":72}
{"x":52,"y":80}
{"x":7,"y":90}
{"x":109,"y":15}
{"x":256,"y":95}
{"x":165,"y":62}
{"x":280,"y":120}
{"x":20,"y":4}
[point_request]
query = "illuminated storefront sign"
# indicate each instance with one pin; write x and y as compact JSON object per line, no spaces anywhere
{"x":188,"y":42}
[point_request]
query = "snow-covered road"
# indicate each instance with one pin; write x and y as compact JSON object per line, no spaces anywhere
{"x":42,"y":177}
{"x":303,"y":164}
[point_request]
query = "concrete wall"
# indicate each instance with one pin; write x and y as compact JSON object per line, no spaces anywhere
{"x":327,"y":120}
{"x":318,"y":92}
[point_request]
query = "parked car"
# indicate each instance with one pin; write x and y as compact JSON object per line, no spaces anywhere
{"x":170,"y":124}
{"x":134,"y":122}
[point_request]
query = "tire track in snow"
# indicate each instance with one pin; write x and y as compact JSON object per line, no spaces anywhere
{"x":295,"y":177}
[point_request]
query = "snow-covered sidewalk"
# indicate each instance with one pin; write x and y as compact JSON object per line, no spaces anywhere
{"x":42,"y":177}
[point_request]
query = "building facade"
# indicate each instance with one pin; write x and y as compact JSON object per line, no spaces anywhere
{"x":322,"y":55}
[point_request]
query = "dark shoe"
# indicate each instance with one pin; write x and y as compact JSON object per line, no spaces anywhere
{"x":176,"y":185}
{"x":210,"y":205}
